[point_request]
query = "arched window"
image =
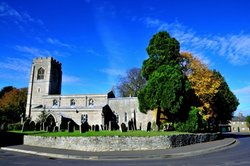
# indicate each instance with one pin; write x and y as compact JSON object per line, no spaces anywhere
{"x":117,"y":118}
{"x":91,"y":102}
{"x":40,"y":74}
{"x":84,"y":118}
{"x":55,"y":102}
{"x":72,"y":102}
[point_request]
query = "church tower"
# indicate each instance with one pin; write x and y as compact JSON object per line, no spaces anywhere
{"x":45,"y":79}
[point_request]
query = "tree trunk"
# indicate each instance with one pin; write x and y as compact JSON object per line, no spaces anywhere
{"x":158,"y":115}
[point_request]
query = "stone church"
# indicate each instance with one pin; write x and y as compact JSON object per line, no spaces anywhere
{"x":44,"y":94}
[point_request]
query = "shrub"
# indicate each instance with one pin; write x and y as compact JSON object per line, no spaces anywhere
{"x":15,"y":126}
{"x":191,"y":124}
{"x":124,"y":128}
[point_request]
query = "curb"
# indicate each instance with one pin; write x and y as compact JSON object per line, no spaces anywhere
{"x":199,"y":152}
{"x":79,"y":157}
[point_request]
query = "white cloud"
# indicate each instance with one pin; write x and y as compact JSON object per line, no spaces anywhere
{"x":19,"y":18}
{"x":6,"y":10}
{"x":32,"y":51}
{"x":93,"y":52}
{"x":151,"y":22}
{"x":244,"y":90}
{"x":113,"y":72}
{"x":16,"y":64}
{"x":234,"y":47}
{"x":57,"y":42}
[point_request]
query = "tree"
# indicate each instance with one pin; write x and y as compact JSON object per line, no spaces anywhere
{"x":12,"y":105}
{"x":166,"y":85}
{"x":248,"y":121}
{"x":6,"y":90}
{"x":203,"y":81}
{"x":130,"y":84}
{"x":215,"y":99}
{"x":225,"y":102}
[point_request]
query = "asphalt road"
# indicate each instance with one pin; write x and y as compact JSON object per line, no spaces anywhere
{"x":235,"y":156}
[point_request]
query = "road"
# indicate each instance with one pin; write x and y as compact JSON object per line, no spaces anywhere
{"x":237,"y":155}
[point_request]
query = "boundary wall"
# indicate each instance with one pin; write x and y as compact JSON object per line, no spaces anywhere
{"x":116,"y":143}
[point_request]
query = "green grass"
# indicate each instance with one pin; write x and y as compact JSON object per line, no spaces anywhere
{"x":100,"y":133}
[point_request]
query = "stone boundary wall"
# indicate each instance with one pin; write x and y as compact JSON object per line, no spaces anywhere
{"x":100,"y":144}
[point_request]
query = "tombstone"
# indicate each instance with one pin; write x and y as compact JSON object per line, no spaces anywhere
{"x":38,"y":126}
{"x":43,"y":126}
{"x":129,"y":125}
{"x":4,"y":126}
{"x":50,"y":128}
{"x":105,"y":127}
{"x":56,"y":129}
{"x":84,"y":127}
{"x":110,"y":126}
{"x":32,"y":126}
{"x":70,"y":127}
{"x":97,"y":128}
{"x":149,"y":126}
{"x":123,"y":127}
{"x":140,"y":126}
{"x":25,"y":126}
{"x":93,"y":128}
{"x":102,"y":127}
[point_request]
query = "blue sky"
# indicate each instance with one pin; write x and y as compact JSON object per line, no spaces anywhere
{"x":98,"y":40}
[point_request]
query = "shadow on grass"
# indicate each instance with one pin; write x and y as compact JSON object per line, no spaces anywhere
{"x":9,"y":138}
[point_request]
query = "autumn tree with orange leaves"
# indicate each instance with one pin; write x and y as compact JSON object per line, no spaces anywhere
{"x":207,"y":86}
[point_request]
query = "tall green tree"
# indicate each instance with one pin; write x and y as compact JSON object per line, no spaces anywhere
{"x":225,"y":102}
{"x":131,"y":83}
{"x":167,"y":86}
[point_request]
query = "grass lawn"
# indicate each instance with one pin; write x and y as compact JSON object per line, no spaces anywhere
{"x":100,"y":133}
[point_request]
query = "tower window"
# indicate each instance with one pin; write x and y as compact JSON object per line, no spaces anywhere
{"x":55,"y":103}
{"x":40,"y":74}
{"x":84,"y":118}
{"x":72,"y":102}
{"x":91,"y":102}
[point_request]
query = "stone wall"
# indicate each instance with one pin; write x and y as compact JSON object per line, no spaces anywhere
{"x":98,"y":144}
{"x":129,"y":106}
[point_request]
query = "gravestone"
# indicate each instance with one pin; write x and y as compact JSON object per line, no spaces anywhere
{"x":149,"y":126}
{"x":93,"y":128}
{"x":97,"y":128}
{"x":105,"y":127}
{"x":123,"y":127}
{"x":32,"y":126}
{"x":84,"y":127}
{"x":102,"y":127}
{"x":130,"y":125}
{"x":38,"y":126}
{"x":25,"y":126}
{"x":42,"y":126}
{"x":50,"y":128}
{"x":110,"y":126}
{"x":56,"y":129}
{"x":4,"y":126}
{"x":70,"y":127}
